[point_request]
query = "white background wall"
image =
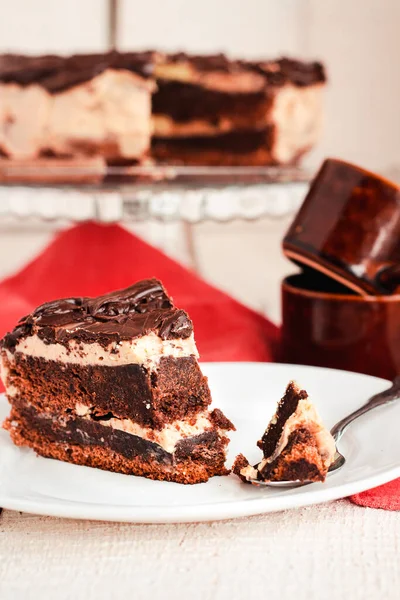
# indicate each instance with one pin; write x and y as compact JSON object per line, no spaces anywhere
{"x":358,"y":40}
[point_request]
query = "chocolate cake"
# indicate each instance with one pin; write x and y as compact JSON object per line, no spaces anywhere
{"x":113,"y":382}
{"x":180,"y":109}
{"x":296,"y":445}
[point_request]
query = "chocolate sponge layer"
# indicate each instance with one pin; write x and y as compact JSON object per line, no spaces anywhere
{"x":177,"y":389}
{"x":85,"y":442}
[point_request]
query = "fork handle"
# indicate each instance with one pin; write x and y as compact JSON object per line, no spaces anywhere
{"x":389,"y":395}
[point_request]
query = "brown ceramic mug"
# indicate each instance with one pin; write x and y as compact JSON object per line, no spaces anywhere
{"x":325,"y":324}
{"x":349,"y":228}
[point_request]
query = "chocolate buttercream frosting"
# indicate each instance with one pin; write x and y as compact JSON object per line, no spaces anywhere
{"x":125,"y":314}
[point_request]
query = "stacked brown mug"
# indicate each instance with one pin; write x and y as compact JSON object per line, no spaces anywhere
{"x":343,"y":309}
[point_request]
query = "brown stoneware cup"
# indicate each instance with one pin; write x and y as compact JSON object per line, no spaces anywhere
{"x":327,"y":325}
{"x":349,"y":228}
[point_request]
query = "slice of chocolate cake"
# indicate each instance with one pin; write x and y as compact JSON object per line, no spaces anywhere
{"x":296,"y":445}
{"x":113,"y":382}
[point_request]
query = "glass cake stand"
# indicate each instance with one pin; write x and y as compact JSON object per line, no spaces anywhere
{"x":164,"y":193}
{"x":224,"y":223}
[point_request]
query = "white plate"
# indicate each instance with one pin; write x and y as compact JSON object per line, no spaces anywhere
{"x":247,"y":393}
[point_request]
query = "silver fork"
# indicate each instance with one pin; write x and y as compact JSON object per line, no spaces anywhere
{"x":385,"y":397}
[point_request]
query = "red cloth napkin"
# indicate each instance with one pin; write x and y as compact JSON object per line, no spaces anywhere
{"x":90,"y":259}
{"x":385,"y":496}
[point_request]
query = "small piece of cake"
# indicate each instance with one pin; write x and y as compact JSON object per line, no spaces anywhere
{"x":113,"y":382}
{"x":296,"y":445}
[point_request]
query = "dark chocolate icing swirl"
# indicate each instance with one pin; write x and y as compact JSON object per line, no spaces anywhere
{"x":121,"y":315}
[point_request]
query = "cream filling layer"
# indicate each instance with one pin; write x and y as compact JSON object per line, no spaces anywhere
{"x":297,"y":113}
{"x":146,"y":350}
{"x":241,"y":81}
{"x":165,"y":126}
{"x":11,"y":390}
{"x":249,"y":472}
{"x":167,"y":437}
{"x":110,"y":113}
{"x":305,"y":416}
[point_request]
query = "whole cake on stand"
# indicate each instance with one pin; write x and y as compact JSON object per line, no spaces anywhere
{"x":180,"y":109}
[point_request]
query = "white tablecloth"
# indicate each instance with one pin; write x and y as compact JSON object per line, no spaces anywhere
{"x":330,"y":551}
{"x":335,"y":550}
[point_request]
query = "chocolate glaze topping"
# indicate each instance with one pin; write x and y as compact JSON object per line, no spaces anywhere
{"x":287,"y":70}
{"x":277,"y":72}
{"x":57,"y":73}
{"x":208,"y":62}
{"x":125,"y":314}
